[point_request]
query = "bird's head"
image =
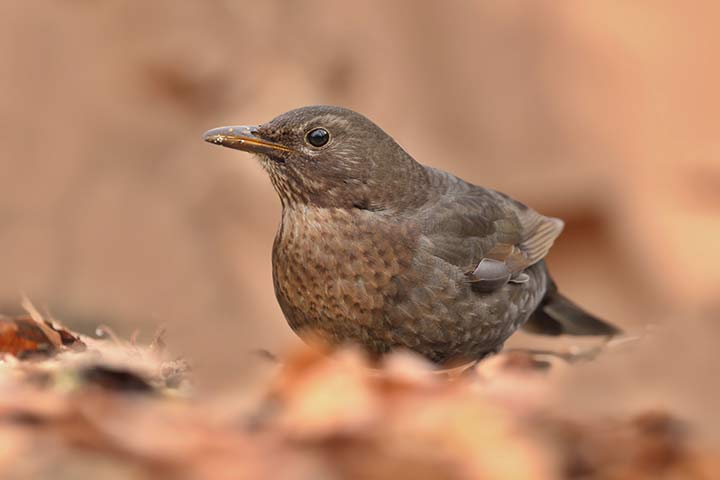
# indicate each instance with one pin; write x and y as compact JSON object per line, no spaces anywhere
{"x":328,"y":157}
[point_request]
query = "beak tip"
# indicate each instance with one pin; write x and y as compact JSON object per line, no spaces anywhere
{"x":213,"y":136}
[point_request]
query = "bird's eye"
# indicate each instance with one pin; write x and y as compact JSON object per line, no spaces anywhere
{"x":317,"y":137}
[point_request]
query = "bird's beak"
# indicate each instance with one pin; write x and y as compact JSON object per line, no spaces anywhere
{"x":242,"y":138}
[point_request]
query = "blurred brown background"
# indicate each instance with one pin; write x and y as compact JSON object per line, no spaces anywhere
{"x":603,"y":113}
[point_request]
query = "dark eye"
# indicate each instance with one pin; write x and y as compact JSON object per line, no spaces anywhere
{"x":317,"y":137}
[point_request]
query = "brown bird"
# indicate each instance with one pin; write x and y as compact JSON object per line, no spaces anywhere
{"x":378,"y":250}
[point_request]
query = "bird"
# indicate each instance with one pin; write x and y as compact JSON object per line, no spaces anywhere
{"x":376,"y":250}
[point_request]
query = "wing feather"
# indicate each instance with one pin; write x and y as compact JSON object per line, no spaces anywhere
{"x":468,"y":224}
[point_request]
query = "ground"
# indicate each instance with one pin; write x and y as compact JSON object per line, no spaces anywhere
{"x":74,"y":406}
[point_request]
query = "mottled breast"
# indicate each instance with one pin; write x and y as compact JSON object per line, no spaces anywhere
{"x":336,"y":271}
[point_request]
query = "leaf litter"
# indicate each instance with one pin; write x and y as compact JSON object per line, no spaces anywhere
{"x":73,"y":406}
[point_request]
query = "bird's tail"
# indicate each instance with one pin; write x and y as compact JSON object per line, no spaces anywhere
{"x":558,"y":315}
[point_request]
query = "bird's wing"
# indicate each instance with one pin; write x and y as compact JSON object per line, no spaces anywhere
{"x":484,"y":232}
{"x":523,"y":238}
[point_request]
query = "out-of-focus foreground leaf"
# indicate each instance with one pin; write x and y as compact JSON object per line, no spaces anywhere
{"x":122,"y":410}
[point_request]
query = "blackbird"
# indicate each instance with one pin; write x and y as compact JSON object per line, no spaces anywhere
{"x":377,"y":250}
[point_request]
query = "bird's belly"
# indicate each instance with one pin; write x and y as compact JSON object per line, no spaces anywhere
{"x":340,"y":279}
{"x":337,"y":273}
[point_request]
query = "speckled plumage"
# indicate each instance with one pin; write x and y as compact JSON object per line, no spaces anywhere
{"x":378,"y":250}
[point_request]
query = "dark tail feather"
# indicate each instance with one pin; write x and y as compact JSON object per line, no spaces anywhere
{"x":557,"y":315}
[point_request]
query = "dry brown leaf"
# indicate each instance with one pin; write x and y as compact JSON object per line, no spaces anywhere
{"x":23,"y":336}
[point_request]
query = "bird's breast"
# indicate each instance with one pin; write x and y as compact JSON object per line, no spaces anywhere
{"x":337,"y":269}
